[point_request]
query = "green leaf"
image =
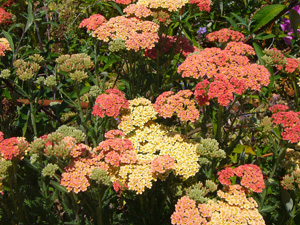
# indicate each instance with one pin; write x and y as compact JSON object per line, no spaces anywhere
{"x":240,"y":19}
{"x":266,"y":14}
{"x":258,"y":52}
{"x":84,"y":90}
{"x":30,"y":16}
{"x":295,"y":21}
{"x":268,"y":208}
{"x":117,"y":7}
{"x":24,"y":129}
{"x":58,"y":186}
{"x":287,"y":200}
{"x":231,"y":21}
{"x":241,"y":148}
{"x":7,"y":94}
{"x":263,"y":37}
{"x":10,"y":40}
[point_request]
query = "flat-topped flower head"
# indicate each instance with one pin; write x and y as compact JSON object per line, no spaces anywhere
{"x":250,"y":174}
{"x":5,"y":17}
{"x":204,"y":5}
{"x":110,"y":104}
{"x":122,"y":2}
{"x":170,"y":5}
{"x":227,"y":71}
{"x":93,"y":22}
{"x":225,"y":35}
{"x":137,"y":34}
{"x":139,"y":11}
{"x":181,"y":104}
{"x":12,"y":148}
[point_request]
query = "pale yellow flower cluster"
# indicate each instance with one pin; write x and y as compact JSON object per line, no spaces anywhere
{"x":236,"y":208}
{"x":4,"y":41}
{"x":151,"y":140}
{"x":140,"y":112}
{"x":170,"y":5}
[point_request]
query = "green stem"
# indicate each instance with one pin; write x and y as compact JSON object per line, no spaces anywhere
{"x":219,"y":124}
{"x":72,"y":195}
{"x":32,"y":112}
{"x":99,"y":208}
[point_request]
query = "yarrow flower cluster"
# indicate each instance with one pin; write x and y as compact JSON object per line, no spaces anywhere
{"x":204,"y":5}
{"x":139,"y":11}
{"x":233,"y":208}
{"x":12,"y":148}
{"x":5,"y":17}
{"x":291,"y":181}
{"x":181,"y":103}
{"x":110,"y":104}
{"x":159,"y":151}
{"x":4,"y":46}
{"x":75,"y":65}
{"x":250,"y":174}
{"x":225,"y":35}
{"x":227,"y":72}
{"x":93,"y":22}
{"x":170,"y":5}
{"x":123,"y":2}
{"x":136,"y":34}
{"x":25,"y":70}
{"x":289,"y":120}
{"x":167,"y":43}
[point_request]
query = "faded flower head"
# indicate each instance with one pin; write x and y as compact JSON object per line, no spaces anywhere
{"x":50,"y":81}
{"x":5,"y":74}
{"x":50,"y":170}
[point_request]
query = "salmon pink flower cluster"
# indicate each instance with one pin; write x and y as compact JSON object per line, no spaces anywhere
{"x":139,"y":11}
{"x":122,"y":2}
{"x":110,"y":104}
{"x":93,"y":22}
{"x":168,"y":43}
{"x":240,"y":48}
{"x":136,"y":33}
{"x":226,"y":71}
{"x":181,"y":104}
{"x":76,"y":175}
{"x":12,"y":148}
{"x":204,"y":5}
{"x":250,"y":174}
{"x":225,"y":35}
{"x":170,"y":5}
{"x":116,"y":151}
{"x":289,"y":120}
{"x":233,"y":208}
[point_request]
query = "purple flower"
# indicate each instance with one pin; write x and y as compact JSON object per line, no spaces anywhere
{"x":201,"y":30}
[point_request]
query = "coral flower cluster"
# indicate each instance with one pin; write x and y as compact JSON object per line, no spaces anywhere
{"x":168,"y":103}
{"x":223,"y":73}
{"x":139,"y":11}
{"x":225,"y":35}
{"x":5,"y":17}
{"x":110,"y":104}
{"x":289,"y":120}
{"x":12,"y":148}
{"x":136,"y":34}
{"x":204,"y":5}
{"x":250,"y":175}
{"x":4,"y":46}
{"x":93,"y":22}
{"x":233,"y":208}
